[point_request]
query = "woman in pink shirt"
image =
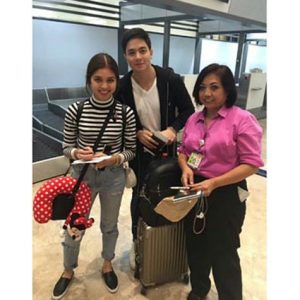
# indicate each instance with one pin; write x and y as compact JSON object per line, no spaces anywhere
{"x":221,"y":147}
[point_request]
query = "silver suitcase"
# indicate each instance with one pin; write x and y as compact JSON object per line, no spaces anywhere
{"x":160,"y":255}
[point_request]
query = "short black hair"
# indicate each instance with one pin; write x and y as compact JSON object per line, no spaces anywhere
{"x":226,"y":78}
{"x":135,"y":33}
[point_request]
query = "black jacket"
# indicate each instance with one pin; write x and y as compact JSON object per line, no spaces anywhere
{"x":175,"y":108}
{"x":175,"y":103}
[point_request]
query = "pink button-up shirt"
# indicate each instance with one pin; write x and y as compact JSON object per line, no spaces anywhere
{"x":232,"y":138}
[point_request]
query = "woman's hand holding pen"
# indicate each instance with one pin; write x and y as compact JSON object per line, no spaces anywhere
{"x":187,"y":177}
{"x":85,"y":154}
{"x":99,"y":154}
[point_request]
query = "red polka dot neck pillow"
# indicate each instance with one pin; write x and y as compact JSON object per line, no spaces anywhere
{"x":56,"y":200}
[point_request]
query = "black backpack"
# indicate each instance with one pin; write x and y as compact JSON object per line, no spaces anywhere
{"x":162,"y":174}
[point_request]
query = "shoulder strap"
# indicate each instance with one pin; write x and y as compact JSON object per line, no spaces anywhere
{"x":79,"y":111}
{"x":85,"y":167}
{"x":124,"y":125}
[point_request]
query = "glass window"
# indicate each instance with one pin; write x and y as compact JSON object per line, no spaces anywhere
{"x":256,"y":58}
{"x":218,"y":52}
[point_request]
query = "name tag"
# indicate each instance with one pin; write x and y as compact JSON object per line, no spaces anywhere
{"x":194,"y":160}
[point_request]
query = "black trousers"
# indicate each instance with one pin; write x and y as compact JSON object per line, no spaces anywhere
{"x":215,"y":249}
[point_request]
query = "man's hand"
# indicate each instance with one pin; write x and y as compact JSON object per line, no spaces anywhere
{"x":170,"y":134}
{"x":145,"y":137}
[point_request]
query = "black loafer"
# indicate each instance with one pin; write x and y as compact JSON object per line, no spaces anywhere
{"x":61,"y":287}
{"x":111,"y":281}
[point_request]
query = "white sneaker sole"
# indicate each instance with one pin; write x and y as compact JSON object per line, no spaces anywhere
{"x":110,"y":290}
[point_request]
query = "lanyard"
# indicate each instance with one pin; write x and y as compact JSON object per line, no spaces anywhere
{"x":202,"y":143}
{"x":200,"y":216}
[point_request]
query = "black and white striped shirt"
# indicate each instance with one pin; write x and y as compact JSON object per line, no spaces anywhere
{"x":91,"y":120}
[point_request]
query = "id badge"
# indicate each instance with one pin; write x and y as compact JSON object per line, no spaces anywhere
{"x":194,"y":160}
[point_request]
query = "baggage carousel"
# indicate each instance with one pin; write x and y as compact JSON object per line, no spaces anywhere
{"x":49,"y":108}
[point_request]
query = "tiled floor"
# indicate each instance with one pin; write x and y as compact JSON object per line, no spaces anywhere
{"x":88,"y":285}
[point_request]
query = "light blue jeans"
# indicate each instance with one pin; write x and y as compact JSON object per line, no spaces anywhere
{"x":109,"y":184}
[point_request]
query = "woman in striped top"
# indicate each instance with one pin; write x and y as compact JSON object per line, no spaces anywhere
{"x":106,"y":178}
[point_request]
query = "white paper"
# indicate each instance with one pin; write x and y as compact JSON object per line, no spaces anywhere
{"x":243,"y":194}
{"x":92,"y":161}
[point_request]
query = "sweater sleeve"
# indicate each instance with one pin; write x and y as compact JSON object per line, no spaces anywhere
{"x":129,"y":135}
{"x":70,"y":130}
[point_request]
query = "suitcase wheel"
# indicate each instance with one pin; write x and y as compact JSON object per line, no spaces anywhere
{"x":186,"y":278}
{"x":143,"y":290}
